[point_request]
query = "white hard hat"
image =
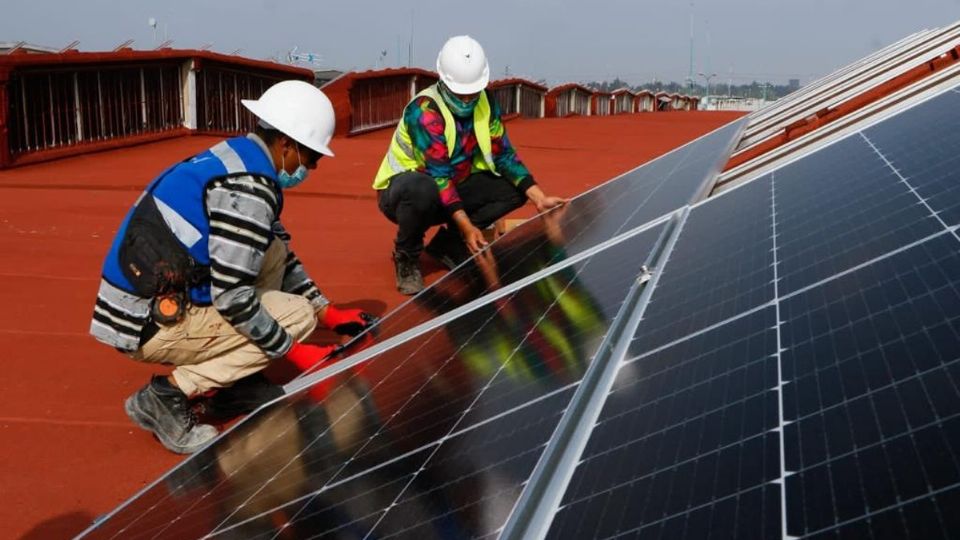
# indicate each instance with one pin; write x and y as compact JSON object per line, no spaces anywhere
{"x":300,"y":111}
{"x":462,"y":65}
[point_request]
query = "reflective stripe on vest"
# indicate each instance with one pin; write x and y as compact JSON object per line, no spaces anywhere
{"x":180,"y":194}
{"x":401,"y":157}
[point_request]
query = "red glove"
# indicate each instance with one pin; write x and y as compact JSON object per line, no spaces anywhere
{"x":347,"y":321}
{"x":305,"y":356}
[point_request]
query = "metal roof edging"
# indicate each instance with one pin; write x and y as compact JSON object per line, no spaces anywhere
{"x":863,"y":64}
{"x":871,"y":115}
{"x":805,"y":92}
{"x":859,"y":82}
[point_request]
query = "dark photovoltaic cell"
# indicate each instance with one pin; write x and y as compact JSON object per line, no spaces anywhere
{"x":722,"y":265}
{"x":841,"y":207}
{"x":646,"y":193}
{"x":872,"y":362}
{"x":922,"y":144}
{"x":684,"y":446}
{"x":437,"y":434}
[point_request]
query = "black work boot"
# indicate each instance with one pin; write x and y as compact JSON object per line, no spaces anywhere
{"x":409,"y":279}
{"x":245,"y":396}
{"x":447,"y":247}
{"x":163,"y":409}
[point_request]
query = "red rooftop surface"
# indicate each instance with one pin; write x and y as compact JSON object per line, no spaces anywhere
{"x":69,"y":453}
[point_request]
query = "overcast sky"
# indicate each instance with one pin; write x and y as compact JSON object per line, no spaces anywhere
{"x":556,"y":40}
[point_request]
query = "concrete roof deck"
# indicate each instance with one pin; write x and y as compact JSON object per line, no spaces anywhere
{"x":68,"y":452}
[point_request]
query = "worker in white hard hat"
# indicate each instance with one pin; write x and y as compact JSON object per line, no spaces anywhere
{"x":201,"y":275}
{"x":450,"y":163}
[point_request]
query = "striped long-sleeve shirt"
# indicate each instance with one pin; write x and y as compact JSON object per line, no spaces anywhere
{"x":243,"y":212}
{"x":244,"y":215}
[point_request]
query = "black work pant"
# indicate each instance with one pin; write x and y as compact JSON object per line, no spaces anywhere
{"x":413,"y":203}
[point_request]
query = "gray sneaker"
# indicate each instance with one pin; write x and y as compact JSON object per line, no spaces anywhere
{"x":163,"y":409}
{"x":409,"y":278}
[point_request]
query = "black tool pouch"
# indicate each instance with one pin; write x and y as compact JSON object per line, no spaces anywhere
{"x":151,"y":256}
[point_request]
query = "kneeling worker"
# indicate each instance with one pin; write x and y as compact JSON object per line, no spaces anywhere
{"x":201,"y":275}
{"x":450,"y":162}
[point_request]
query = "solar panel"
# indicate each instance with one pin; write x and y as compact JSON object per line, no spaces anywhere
{"x":437,"y":434}
{"x":825,"y":403}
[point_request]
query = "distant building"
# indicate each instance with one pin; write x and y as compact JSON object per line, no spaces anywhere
{"x":793,"y":84}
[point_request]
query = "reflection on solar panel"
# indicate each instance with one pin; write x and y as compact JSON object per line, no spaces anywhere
{"x":614,"y":208}
{"x":436,"y":435}
{"x":824,"y":402}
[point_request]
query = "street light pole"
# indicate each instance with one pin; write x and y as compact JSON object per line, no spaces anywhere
{"x":707,"y":79}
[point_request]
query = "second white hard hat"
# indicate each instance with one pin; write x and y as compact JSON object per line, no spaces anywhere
{"x":462,"y":65}
{"x":300,"y":111}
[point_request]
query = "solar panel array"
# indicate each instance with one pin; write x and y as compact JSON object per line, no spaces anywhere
{"x":795,"y":371}
{"x":436,"y":434}
{"x":422,"y":436}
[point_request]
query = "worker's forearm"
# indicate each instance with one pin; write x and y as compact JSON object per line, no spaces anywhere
{"x":535,"y":194}
{"x":461,"y":219}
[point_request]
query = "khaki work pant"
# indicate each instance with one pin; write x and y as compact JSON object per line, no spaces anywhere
{"x":206,"y":349}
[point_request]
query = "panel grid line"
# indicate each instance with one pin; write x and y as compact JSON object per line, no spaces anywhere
{"x":665,"y":397}
{"x":683,"y":364}
{"x":807,"y":288}
{"x":899,"y":504}
{"x":733,"y":495}
{"x":700,"y":332}
{"x":883,"y":441}
{"x":673,"y":465}
{"x":888,"y":386}
{"x":780,"y":382}
{"x":691,"y":419}
{"x":907,"y":183}
{"x":661,"y":348}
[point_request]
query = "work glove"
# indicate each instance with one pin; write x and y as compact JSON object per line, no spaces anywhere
{"x":305,"y":356}
{"x":347,"y":322}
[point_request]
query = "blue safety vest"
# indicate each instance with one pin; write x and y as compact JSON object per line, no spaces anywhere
{"x":180,"y":194}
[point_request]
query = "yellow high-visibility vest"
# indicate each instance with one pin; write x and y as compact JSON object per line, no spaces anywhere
{"x":401,"y":158}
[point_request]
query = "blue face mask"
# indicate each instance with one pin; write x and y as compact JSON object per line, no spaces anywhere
{"x":287,"y":180}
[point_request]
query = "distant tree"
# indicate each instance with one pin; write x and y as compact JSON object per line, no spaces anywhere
{"x":753,"y":89}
